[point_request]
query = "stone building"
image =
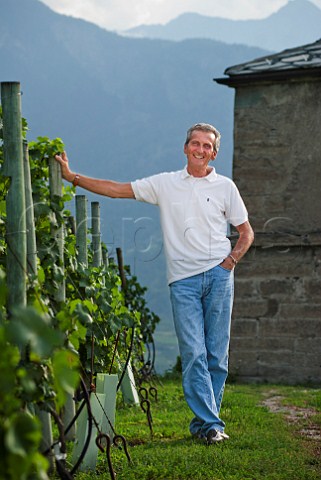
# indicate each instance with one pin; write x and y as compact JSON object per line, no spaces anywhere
{"x":276,"y":330}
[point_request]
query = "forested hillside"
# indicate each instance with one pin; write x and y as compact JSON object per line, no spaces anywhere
{"x":122,"y":107}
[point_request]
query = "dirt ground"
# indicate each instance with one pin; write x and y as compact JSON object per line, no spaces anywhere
{"x":299,"y":416}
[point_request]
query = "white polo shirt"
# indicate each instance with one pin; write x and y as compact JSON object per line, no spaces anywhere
{"x":194,"y":214}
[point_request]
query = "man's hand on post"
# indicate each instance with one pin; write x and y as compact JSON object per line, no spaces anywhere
{"x":66,"y":173}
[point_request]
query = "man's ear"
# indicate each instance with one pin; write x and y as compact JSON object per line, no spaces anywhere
{"x":185,"y":148}
{"x":214,"y":155}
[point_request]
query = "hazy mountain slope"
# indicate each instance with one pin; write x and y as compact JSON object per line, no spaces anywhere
{"x":297,"y":23}
{"x":122,"y":107}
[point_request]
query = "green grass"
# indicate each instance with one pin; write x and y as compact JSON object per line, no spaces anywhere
{"x":262,"y":444}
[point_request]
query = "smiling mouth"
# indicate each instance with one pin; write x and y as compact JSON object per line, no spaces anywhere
{"x":199,"y":157}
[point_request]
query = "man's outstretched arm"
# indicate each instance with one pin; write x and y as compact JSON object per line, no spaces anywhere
{"x":108,"y":188}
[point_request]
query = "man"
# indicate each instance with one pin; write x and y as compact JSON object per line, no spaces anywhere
{"x":196,"y":205}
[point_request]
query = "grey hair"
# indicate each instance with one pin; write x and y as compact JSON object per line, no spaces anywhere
{"x":205,"y":127}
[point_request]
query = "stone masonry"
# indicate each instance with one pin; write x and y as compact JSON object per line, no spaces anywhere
{"x":276,"y":328}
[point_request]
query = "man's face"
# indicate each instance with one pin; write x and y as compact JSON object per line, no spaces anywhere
{"x":200,"y":150}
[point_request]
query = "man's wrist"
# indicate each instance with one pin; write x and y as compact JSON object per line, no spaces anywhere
{"x":75,"y":180}
{"x":69,"y":177}
{"x":232,"y":257}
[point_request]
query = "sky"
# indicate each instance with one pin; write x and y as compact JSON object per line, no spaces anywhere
{"x":117,"y":15}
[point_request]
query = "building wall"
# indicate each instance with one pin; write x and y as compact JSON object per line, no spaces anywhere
{"x":276,"y":328}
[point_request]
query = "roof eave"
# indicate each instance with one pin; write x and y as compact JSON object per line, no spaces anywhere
{"x":271,"y":76}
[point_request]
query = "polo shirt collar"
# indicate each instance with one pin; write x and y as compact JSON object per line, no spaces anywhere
{"x":210,"y":177}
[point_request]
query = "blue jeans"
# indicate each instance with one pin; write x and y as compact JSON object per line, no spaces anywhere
{"x":202,"y":307}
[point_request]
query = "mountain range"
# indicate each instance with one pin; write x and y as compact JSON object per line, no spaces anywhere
{"x":296,"y":23}
{"x":122,"y":106}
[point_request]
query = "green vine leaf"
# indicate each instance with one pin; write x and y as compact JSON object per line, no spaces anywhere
{"x":21,"y":440}
{"x":43,"y":346}
{"x":28,"y":328}
{"x":23,"y":434}
{"x":66,"y":375}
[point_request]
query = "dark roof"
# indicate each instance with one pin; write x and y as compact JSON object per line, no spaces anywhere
{"x":290,"y":62}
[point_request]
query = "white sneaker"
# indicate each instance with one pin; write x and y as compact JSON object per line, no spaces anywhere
{"x":214,"y":436}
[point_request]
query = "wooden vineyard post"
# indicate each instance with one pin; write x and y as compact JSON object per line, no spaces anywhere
{"x":55,"y":186}
{"x":95,"y":234}
{"x":30,"y":218}
{"x":121,"y":270}
{"x":96,"y":400}
{"x":105,"y":257}
{"x":105,"y":383}
{"x":16,"y":215}
{"x":81,"y":228}
{"x":128,"y":385}
{"x":44,"y":417}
